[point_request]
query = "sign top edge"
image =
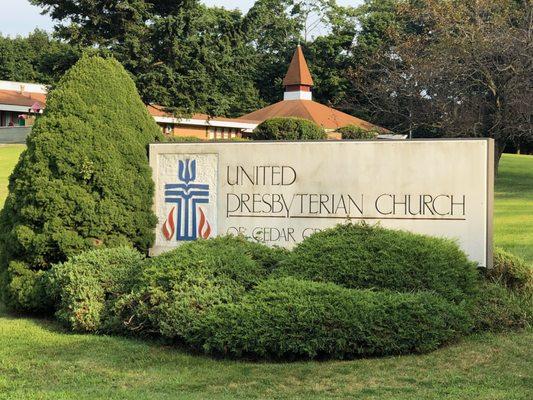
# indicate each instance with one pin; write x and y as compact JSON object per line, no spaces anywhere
{"x":419,"y":140}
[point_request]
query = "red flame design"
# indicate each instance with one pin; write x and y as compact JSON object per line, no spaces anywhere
{"x":204,"y":229}
{"x":169,"y":227}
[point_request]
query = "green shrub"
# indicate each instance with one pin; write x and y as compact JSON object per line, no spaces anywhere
{"x":288,"y":129}
{"x":176,"y":288}
{"x":84,"y":181}
{"x":268,"y":257}
{"x":86,"y":287}
{"x":511,"y":271}
{"x":354,"y":132}
{"x":497,"y":308}
{"x":363,"y":256}
{"x":290,"y":318}
{"x":23,"y":288}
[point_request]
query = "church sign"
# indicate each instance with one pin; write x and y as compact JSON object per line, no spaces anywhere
{"x":279,"y":193}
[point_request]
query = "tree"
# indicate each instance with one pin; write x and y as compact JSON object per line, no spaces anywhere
{"x":202,"y":63}
{"x":35,"y":58}
{"x":181,"y":54}
{"x":455,"y":68}
{"x":83,"y":182}
{"x":274,"y":34}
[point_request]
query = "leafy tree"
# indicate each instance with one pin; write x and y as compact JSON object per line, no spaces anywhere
{"x":181,"y":54}
{"x":202,"y":63}
{"x":84,"y":181}
{"x":274,"y":34}
{"x":453,"y":68}
{"x":35,"y":58}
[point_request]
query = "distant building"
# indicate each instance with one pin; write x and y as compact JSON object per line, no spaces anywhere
{"x":200,"y":125}
{"x":21,"y":102}
{"x":298,"y":102}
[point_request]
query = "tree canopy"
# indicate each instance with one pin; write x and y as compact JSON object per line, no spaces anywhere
{"x":424,"y":68}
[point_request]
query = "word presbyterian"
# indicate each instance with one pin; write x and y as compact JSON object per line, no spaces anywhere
{"x":281,"y":205}
{"x":309,"y":205}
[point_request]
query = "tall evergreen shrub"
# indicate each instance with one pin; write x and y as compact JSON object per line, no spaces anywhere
{"x":83,"y":182}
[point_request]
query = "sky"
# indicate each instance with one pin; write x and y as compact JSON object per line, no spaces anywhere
{"x":19,"y":17}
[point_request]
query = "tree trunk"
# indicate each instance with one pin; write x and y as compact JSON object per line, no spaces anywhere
{"x":499,"y":147}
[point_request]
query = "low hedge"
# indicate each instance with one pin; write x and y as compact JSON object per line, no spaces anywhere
{"x":497,"y":308}
{"x":363,"y":256}
{"x":346,"y":292}
{"x":176,"y":288}
{"x":511,"y":271}
{"x":353,"y":132}
{"x":24,"y":289}
{"x":85,"y":288}
{"x":291,"y":318}
{"x":281,"y":128}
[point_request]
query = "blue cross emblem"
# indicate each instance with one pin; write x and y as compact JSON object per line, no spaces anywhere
{"x":187,"y":195}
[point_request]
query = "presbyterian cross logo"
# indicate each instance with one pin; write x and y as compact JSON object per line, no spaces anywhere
{"x":187,"y":220}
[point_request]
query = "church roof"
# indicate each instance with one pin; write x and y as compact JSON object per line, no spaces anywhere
{"x":327,"y":117}
{"x":11,"y":97}
{"x":322,"y":115}
{"x":298,"y":73}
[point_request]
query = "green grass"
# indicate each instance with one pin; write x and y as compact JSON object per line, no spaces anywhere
{"x":38,"y":360}
{"x":513,"y":208}
{"x":9,"y":155}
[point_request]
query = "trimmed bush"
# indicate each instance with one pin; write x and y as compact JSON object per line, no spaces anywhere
{"x":364,"y":256}
{"x":511,"y":271}
{"x":83,"y":182}
{"x":288,"y":129}
{"x":497,"y":308}
{"x":354,"y":132}
{"x":290,"y":318}
{"x":176,"y":288}
{"x":86,"y":287}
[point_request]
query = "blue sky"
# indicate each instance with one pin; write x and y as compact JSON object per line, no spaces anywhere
{"x":19,"y":17}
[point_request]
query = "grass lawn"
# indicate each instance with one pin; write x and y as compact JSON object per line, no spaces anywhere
{"x":38,"y":360}
{"x":513,"y":207}
{"x":9,"y":155}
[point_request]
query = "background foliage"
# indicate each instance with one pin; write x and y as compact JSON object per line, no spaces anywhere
{"x":423,"y":68}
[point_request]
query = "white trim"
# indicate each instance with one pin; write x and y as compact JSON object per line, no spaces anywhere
{"x":205,"y":122}
{"x":299,"y":95}
{"x":10,"y":107}
{"x":391,"y":136}
{"x":23,"y":87}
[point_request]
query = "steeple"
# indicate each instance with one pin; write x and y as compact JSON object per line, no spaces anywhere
{"x":298,"y":81}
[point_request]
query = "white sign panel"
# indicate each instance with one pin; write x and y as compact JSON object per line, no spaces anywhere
{"x":279,"y":193}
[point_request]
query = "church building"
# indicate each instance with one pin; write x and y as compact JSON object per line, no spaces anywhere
{"x":297,"y":102}
{"x":20,"y":103}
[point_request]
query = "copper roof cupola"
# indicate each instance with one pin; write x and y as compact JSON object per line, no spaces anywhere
{"x":298,"y":81}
